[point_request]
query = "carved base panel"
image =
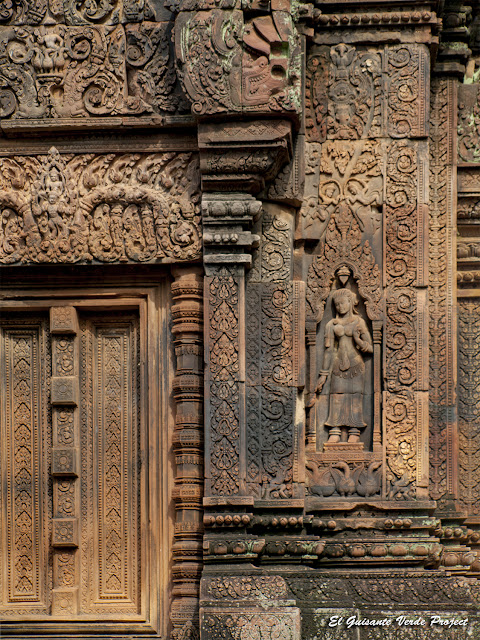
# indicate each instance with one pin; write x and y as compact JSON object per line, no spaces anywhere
{"x":315,"y":605}
{"x":252,"y":622}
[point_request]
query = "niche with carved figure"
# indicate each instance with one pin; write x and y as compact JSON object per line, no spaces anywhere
{"x":343,"y":394}
{"x":344,"y":331}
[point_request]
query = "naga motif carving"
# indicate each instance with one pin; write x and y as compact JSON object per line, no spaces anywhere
{"x":91,"y":71}
{"x":138,"y":208}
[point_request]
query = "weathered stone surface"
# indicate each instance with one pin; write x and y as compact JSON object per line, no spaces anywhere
{"x":238,"y":358}
{"x":99,"y":208}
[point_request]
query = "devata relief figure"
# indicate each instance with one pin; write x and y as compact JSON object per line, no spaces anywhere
{"x":346,"y":338}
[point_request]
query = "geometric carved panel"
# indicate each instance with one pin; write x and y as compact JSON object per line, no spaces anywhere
{"x":23,"y":499}
{"x":63,"y":320}
{"x":64,"y":390}
{"x":65,"y":462}
{"x":111,"y":570}
{"x":65,"y":532}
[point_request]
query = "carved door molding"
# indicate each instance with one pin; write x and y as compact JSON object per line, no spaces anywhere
{"x":85,"y":427}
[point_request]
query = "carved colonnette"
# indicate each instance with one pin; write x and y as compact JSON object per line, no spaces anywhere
{"x":187,"y":312}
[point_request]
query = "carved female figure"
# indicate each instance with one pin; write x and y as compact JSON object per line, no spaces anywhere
{"x":346,"y":337}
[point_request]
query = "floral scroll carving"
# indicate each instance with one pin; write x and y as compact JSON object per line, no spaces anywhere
{"x":344,"y":97}
{"x":402,"y":320}
{"x":469,"y":358}
{"x":79,"y":12}
{"x":350,"y":172}
{"x":225,"y":387}
{"x":127,"y":208}
{"x":90,"y":71}
{"x":257,"y":624}
{"x":407,"y":91}
{"x":441,"y":291}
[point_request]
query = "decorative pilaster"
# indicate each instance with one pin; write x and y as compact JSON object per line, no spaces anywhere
{"x":406,"y":353}
{"x":187,"y":314}
{"x":225,"y":409}
{"x":442,"y":292}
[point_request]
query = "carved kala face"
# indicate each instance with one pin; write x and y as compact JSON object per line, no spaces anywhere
{"x":343,"y":112}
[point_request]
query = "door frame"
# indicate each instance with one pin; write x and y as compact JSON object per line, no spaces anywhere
{"x":153,"y":305}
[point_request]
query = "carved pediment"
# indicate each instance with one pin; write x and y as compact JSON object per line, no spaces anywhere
{"x":110,"y":208}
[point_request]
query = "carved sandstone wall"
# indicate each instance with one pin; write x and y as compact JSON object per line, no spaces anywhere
{"x":245,"y":399}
